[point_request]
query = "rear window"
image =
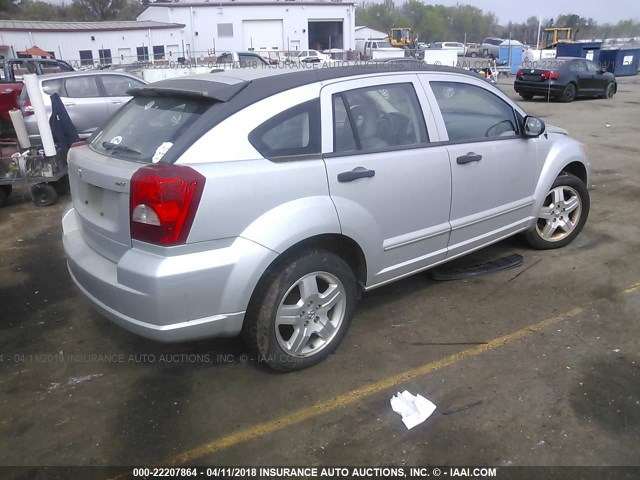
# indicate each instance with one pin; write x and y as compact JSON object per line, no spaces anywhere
{"x":145,"y":129}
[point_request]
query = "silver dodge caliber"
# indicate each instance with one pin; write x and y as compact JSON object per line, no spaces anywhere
{"x":262,"y":202}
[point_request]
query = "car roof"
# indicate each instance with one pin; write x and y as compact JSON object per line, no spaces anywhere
{"x":267,"y":81}
{"x":55,"y":76}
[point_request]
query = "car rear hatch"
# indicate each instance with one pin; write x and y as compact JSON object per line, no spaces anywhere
{"x":140,"y":134}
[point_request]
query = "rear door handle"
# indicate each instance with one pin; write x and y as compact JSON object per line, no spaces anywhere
{"x":69,"y":104}
{"x":468,"y":158}
{"x":355,"y":174}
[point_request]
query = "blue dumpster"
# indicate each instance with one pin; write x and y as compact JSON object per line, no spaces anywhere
{"x":511,"y":53}
{"x":588,"y":50}
{"x":621,"y":61}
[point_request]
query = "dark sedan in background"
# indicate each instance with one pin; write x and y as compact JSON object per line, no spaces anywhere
{"x":564,"y":78}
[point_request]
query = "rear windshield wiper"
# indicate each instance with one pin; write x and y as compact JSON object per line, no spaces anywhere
{"x":119,"y":148}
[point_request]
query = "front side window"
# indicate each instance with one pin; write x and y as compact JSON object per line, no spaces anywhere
{"x":375,"y":118}
{"x":471,"y":112}
{"x":117,"y":85}
{"x":295,"y":131}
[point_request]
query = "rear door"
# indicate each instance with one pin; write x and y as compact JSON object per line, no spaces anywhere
{"x":584,"y":78}
{"x":84,"y":101}
{"x":391,"y":187}
{"x":115,"y":90}
{"x":492,"y":166}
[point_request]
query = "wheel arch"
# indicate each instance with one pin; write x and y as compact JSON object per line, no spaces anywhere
{"x":341,"y":245}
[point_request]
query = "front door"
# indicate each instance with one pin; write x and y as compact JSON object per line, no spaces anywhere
{"x":390,"y":186}
{"x":492,"y":166}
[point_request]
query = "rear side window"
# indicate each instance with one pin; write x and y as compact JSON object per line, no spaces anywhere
{"x":81,"y":87}
{"x":473,"y":113}
{"x":295,"y":131}
{"x":146,"y":127}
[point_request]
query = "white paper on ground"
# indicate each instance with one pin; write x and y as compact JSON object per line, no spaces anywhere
{"x":414,"y":409}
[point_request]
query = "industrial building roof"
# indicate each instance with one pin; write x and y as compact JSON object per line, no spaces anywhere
{"x":28,"y":25}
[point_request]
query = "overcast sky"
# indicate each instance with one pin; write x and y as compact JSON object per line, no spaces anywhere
{"x":602,"y":11}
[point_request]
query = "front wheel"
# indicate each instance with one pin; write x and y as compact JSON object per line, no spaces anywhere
{"x":562,"y":216}
{"x":610,"y":91}
{"x":526,"y":96}
{"x":301,"y":310}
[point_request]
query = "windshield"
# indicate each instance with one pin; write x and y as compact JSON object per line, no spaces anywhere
{"x":384,"y":45}
{"x":146,"y":127}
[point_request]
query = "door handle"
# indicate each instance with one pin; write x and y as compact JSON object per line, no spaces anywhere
{"x":116,"y":102}
{"x":468,"y":158}
{"x":69,"y":104}
{"x":355,"y":174}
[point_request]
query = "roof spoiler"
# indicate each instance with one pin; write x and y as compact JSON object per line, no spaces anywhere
{"x":190,"y":88}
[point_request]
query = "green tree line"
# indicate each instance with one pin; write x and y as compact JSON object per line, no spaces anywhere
{"x":431,"y":22}
{"x":461,"y":22}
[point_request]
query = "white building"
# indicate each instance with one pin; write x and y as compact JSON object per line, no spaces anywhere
{"x":366,"y":33}
{"x":86,"y":43}
{"x":169,"y":31}
{"x":266,"y":25}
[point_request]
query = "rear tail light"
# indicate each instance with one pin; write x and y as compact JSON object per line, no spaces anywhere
{"x":27,"y":109}
{"x":163,"y":203}
{"x":519,"y":73}
{"x":549,"y":75}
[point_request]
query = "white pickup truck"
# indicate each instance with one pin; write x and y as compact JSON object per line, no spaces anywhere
{"x":374,"y":49}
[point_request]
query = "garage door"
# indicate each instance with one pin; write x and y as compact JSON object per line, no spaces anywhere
{"x":262,"y":34}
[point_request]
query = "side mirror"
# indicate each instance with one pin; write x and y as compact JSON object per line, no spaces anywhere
{"x":533,"y":126}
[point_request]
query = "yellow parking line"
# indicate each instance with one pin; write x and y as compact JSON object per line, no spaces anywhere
{"x":357,"y":394}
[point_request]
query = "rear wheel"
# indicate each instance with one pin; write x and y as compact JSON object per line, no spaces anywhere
{"x":562,"y":216}
{"x":43,"y":195}
{"x":610,"y":91}
{"x":526,"y":96}
{"x":569,"y":93}
{"x":474,"y":54}
{"x":301,"y":311}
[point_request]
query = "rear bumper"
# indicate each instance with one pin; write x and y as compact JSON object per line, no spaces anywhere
{"x":538,"y":88}
{"x":168,"y":298}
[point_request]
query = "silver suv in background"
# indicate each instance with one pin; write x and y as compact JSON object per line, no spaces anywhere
{"x":490,"y":47}
{"x":263,"y":202}
{"x":90,"y":98}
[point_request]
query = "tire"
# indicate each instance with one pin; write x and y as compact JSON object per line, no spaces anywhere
{"x":569,"y":93}
{"x":287,"y":324}
{"x":562,"y":216}
{"x":5,"y":191}
{"x":474,"y":54}
{"x":43,"y":195}
{"x":610,"y":91}
{"x":526,"y":96}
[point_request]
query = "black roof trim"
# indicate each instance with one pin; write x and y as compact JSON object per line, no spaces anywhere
{"x":260,"y":88}
{"x":190,"y":87}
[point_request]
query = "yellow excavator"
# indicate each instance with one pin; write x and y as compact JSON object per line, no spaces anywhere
{"x":402,"y":38}
{"x":552,"y":36}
